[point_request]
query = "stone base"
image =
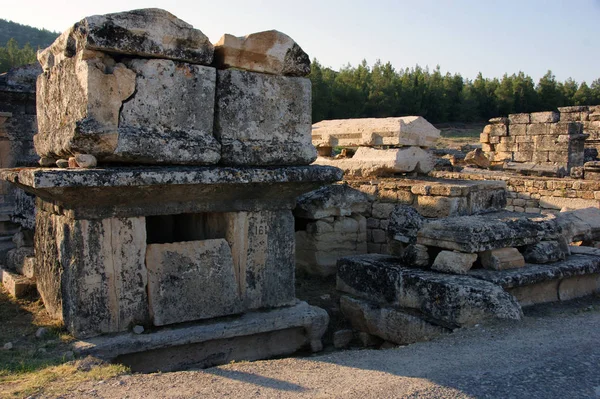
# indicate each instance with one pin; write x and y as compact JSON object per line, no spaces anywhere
{"x":252,"y":336}
{"x":17,"y":285}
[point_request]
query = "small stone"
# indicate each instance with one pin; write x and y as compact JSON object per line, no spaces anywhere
{"x":72,"y":163}
{"x":138,"y":329}
{"x":388,"y":345}
{"x":502,"y":259}
{"x":342,"y":338}
{"x":454,"y":262}
{"x":86,"y":161}
{"x":42,"y":351}
{"x":41,"y":332}
{"x":325,"y":297}
{"x":7,"y":346}
{"x":47,"y":161}
{"x":62,"y":163}
{"x":68,"y":355}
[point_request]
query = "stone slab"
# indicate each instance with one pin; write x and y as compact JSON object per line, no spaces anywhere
{"x":453,"y":262}
{"x":574,"y":265}
{"x":143,"y":191}
{"x":91,"y":273}
{"x":577,"y":287}
{"x":149,"y":32}
{"x":309,"y":320}
{"x":394,"y":325}
{"x":263,"y":119}
{"x":480,"y":233}
{"x":452,"y":299}
{"x":381,"y":162}
{"x":17,"y":285}
{"x":404,"y":131}
{"x":191,"y":280}
{"x":270,"y":52}
{"x":543,"y":292}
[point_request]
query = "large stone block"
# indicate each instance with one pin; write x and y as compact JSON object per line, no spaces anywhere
{"x":453,"y":262}
{"x":333,"y":200}
{"x":502,"y":259}
{"x":263,"y":119}
{"x":191,"y":280}
{"x":128,"y":113}
{"x":456,"y":300}
{"x":405,"y":131}
{"x":91,"y":273}
{"x":545,"y":117}
{"x":397,"y":326}
{"x":267,"y":52}
{"x":150,"y":32}
{"x":375,"y":162}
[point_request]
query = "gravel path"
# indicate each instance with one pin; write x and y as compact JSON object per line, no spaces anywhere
{"x":553,"y":353}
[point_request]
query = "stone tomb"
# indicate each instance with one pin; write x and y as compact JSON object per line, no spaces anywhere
{"x":118,"y":247}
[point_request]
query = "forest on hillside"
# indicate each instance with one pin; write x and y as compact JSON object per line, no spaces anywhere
{"x":19,"y":43}
{"x":381,"y":90}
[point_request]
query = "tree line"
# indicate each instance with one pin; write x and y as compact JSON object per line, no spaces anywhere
{"x":12,"y":55}
{"x":381,"y":91}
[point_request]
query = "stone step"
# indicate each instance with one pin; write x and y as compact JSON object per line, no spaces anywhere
{"x":451,"y":300}
{"x":17,"y":285}
{"x":574,"y":277}
{"x":21,"y":260}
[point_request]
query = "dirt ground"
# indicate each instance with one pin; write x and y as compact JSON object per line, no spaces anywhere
{"x":456,"y":135}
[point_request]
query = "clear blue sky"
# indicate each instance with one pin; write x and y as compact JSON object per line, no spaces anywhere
{"x":464,"y":36}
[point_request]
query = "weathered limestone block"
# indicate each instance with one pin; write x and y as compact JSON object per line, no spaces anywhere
{"x":404,"y":223}
{"x":438,"y":206}
{"x":549,"y":202}
{"x":191,"y":280}
{"x":132,"y":114}
{"x":17,"y":285}
{"x":270,"y":52}
{"x":519,"y":119}
{"x":333,"y":200}
{"x":454,"y":262}
{"x":262,"y":246}
{"x":416,"y":255}
{"x":576,"y":287}
{"x":405,"y":131}
{"x":545,"y":117}
{"x":149,"y":32}
{"x":580,"y":224}
{"x":456,"y":300}
{"x":15,"y":259}
{"x":390,"y":324}
{"x":496,"y":130}
{"x":477,"y":158}
{"x":91,"y":273}
{"x":478,"y":233}
{"x":374,"y":162}
{"x":544,"y":252}
{"x":502,"y":259}
{"x":499,"y":120}
{"x":263,"y":119}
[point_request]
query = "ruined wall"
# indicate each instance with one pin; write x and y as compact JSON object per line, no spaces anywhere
{"x":541,"y":141}
{"x":537,"y":194}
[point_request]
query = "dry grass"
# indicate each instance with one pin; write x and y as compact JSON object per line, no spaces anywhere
{"x":455,"y":136}
{"x":41,"y":366}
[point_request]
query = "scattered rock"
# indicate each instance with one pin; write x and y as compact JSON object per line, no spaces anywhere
{"x":88,"y":363}
{"x":138,"y":329}
{"x":47,"y":162}
{"x":342,"y":338}
{"x":388,"y":345}
{"x":454,"y":262}
{"x":477,"y":158}
{"x":325,"y":297}
{"x":62,"y":163}
{"x":42,"y":351}
{"x":544,"y":252}
{"x":68,"y":355}
{"x":41,"y":333}
{"x":86,"y":160}
{"x":7,"y":346}
{"x":72,"y":163}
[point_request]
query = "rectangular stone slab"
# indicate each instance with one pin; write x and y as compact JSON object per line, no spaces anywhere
{"x":143,"y":191}
{"x":149,"y":32}
{"x":480,"y":233}
{"x":137,"y":111}
{"x":452,"y":299}
{"x":91,"y":273}
{"x":263,"y":119}
{"x":405,"y":131}
{"x":191,"y":280}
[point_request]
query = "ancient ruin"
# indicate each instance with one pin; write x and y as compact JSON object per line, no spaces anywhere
{"x":201,"y":257}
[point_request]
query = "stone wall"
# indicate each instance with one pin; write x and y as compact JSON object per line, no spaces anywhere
{"x":548,"y":142}
{"x":587,"y":115}
{"x":536,"y":194}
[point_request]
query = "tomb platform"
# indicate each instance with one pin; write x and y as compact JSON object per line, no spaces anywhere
{"x":203,"y":252}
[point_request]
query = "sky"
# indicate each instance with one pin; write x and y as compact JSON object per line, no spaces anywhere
{"x":462,"y":36}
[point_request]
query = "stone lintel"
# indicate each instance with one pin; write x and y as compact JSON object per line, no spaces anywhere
{"x":310,"y":321}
